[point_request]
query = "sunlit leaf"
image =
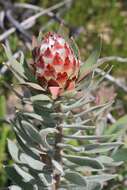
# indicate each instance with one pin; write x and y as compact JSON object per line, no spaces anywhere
{"x":15,"y":187}
{"x":13,"y":150}
{"x":40,"y":97}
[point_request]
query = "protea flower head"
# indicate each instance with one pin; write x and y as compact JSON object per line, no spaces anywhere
{"x":56,"y":67}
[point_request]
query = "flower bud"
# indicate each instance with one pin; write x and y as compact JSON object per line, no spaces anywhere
{"x":55,"y":65}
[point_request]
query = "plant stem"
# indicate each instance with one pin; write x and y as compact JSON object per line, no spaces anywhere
{"x":57,"y":156}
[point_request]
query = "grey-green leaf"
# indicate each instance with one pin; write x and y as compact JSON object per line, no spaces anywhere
{"x":33,"y":163}
{"x":26,"y":176}
{"x":33,"y":115}
{"x":100,"y":178}
{"x":27,"y":149}
{"x":75,"y":178}
{"x":120,"y":155}
{"x":40,"y":97}
{"x":58,"y":167}
{"x":101,"y":147}
{"x":33,"y":85}
{"x":43,"y":133}
{"x":15,"y":187}
{"x":108,"y":161}
{"x":15,"y":66}
{"x":13,"y":150}
{"x":30,"y":129}
{"x":17,"y":178}
{"x":88,"y":137}
{"x":32,"y":132}
{"x":94,"y":186}
{"x":85,"y":161}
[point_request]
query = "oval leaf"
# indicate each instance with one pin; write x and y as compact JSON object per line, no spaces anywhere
{"x":85,"y":161}
{"x":75,"y":178}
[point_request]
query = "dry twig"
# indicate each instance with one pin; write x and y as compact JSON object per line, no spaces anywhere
{"x":29,"y":22}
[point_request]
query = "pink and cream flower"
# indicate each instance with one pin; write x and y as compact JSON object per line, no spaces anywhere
{"x":55,"y":64}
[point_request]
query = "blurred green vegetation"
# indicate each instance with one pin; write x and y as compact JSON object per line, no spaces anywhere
{"x":108,"y":18}
{"x":4,"y":131}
